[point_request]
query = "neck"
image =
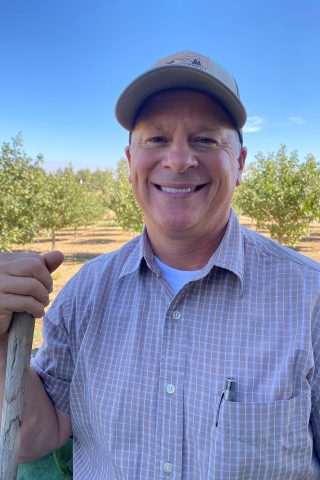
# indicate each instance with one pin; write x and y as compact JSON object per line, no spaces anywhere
{"x":185,"y":252}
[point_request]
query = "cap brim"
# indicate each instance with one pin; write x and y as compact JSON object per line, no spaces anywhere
{"x":175,"y":76}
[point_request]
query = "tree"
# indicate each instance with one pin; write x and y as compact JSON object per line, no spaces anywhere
{"x":21,"y":186}
{"x":61,"y":201}
{"x":89,"y":208}
{"x":124,"y":204}
{"x":100,"y":182}
{"x":311,"y":175}
{"x":281,"y":194}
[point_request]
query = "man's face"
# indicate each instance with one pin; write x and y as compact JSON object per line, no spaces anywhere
{"x":185,"y":161}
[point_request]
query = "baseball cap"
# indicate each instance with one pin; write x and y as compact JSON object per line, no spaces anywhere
{"x":184,"y":69}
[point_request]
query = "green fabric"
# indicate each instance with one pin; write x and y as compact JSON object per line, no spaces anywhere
{"x":55,"y":466}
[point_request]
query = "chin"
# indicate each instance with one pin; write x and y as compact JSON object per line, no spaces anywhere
{"x":177,"y":226}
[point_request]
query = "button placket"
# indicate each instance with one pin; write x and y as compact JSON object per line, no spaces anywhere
{"x":170,"y":401}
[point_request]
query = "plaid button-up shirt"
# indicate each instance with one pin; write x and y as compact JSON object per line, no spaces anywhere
{"x":142,"y":371}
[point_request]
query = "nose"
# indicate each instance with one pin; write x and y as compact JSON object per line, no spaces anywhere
{"x":179,"y":156}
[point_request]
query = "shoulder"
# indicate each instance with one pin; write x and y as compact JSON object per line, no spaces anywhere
{"x":96,"y":273}
{"x":266,"y":247}
{"x":111,"y":263}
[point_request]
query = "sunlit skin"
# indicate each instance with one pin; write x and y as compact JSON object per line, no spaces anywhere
{"x":184,"y":139}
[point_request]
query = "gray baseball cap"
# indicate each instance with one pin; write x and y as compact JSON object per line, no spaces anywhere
{"x":185,"y":69}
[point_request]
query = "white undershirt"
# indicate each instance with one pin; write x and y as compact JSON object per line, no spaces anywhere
{"x":176,"y":278}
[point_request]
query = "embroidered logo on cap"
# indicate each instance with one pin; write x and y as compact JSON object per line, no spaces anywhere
{"x":188,"y":58}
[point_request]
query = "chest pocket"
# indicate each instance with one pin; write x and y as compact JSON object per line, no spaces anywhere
{"x":262,"y":440}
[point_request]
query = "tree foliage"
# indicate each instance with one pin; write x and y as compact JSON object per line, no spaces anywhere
{"x":89,"y":208}
{"x":124,"y":204}
{"x":21,"y":187}
{"x":66,"y":202}
{"x":100,"y":182}
{"x":281,"y":194}
{"x":57,"y":203}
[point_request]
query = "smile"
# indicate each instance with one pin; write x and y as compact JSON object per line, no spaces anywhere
{"x":179,"y":189}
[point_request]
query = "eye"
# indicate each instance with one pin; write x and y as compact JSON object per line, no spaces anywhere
{"x":157,"y":139}
{"x":204,"y":141}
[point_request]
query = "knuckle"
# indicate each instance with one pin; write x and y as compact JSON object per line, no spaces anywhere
{"x":2,"y":301}
{"x":37,"y":264}
{"x":2,"y":282}
{"x":33,"y":307}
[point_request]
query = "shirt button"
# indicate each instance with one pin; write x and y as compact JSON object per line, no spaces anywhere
{"x":167,"y":467}
{"x":170,"y":388}
{"x":176,"y":315}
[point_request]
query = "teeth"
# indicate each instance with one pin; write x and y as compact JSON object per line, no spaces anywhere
{"x":177,"y":190}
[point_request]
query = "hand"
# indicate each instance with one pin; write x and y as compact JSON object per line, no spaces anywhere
{"x":25,"y":284}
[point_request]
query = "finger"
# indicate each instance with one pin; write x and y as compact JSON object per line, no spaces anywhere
{"x":21,"y":303}
{"x":9,"y":256}
{"x":32,"y":268}
{"x":53,"y":260}
{"x":24,"y":286}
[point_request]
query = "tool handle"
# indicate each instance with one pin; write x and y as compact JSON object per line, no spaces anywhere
{"x":18,"y":361}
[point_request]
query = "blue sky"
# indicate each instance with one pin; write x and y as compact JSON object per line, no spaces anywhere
{"x":64,"y":63}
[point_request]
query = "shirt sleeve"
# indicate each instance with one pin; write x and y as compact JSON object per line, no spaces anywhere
{"x":315,"y":423}
{"x":53,"y":362}
{"x":315,"y":385}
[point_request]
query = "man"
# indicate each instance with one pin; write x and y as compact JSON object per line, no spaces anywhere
{"x":193,"y":351}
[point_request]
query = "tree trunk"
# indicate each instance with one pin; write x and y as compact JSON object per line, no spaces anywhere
{"x":53,"y":239}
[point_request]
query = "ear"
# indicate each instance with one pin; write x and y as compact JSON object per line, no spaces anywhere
{"x":241,"y":162}
{"x":128,"y":155}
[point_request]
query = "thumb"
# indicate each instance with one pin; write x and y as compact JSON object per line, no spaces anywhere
{"x":53,"y":260}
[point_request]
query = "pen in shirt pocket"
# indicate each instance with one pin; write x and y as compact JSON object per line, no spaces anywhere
{"x":230,"y":391}
{"x":229,"y":394}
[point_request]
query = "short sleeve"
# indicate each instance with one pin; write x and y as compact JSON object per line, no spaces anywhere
{"x":53,"y":362}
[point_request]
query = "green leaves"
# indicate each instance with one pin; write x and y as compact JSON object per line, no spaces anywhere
{"x":281,"y":194}
{"x":32,"y":200}
{"x":67,"y":202}
{"x":21,"y":184}
{"x":124,"y":204}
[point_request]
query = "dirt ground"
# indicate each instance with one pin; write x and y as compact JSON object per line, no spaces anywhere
{"x":106,"y":237}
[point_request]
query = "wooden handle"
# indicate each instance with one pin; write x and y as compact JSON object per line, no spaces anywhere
{"x":18,"y":360}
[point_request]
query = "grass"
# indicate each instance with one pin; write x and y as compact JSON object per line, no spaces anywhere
{"x":106,"y":237}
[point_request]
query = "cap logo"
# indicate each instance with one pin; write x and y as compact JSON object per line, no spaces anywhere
{"x":187,"y":58}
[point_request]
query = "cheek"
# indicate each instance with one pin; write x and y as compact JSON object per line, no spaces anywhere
{"x":223,"y":168}
{"x":141,"y":168}
{"x":231,"y":164}
{"x":138,"y":178}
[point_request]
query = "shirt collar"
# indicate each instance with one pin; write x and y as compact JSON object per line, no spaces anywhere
{"x":141,"y":252}
{"x":229,"y":254}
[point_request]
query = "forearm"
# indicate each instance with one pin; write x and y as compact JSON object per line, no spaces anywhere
{"x":40,"y":427}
